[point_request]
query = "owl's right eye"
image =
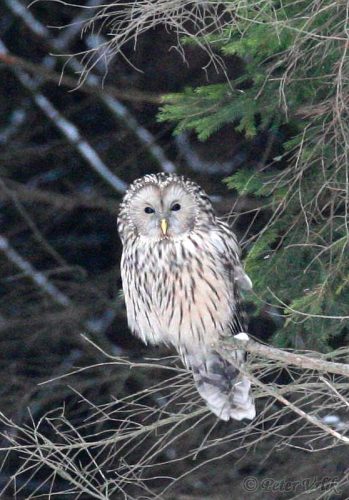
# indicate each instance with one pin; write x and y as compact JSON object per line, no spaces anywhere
{"x":149,"y":210}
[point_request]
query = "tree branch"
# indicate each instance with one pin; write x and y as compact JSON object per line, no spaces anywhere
{"x":49,"y":75}
{"x":69,"y":130}
{"x":117,"y":108}
{"x":311,"y":361}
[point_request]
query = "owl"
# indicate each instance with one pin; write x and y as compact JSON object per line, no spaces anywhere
{"x":182,"y":280}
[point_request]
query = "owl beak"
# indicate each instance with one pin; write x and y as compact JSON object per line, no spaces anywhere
{"x":164,"y":226}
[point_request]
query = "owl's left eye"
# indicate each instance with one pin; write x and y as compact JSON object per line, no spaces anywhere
{"x":176,"y":207}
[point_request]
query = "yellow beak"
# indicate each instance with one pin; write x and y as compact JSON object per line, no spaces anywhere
{"x":164,"y":226}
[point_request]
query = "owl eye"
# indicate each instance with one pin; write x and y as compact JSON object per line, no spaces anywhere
{"x":149,"y":210}
{"x":176,"y":207}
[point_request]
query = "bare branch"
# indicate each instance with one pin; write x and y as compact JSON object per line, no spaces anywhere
{"x":37,"y":277}
{"x":311,"y":361}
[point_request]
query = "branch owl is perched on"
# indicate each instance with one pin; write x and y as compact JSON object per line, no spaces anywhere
{"x":182,"y":277}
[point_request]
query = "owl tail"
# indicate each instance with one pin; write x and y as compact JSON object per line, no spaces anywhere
{"x":219,"y":382}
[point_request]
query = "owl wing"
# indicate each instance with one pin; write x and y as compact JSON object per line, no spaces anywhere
{"x":219,"y":381}
{"x":229,"y":252}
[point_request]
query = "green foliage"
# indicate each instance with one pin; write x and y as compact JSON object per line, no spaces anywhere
{"x":250,"y":182}
{"x":206,"y":109}
{"x":295,"y":60}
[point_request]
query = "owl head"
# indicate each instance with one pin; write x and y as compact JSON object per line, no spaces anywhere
{"x":163,"y":206}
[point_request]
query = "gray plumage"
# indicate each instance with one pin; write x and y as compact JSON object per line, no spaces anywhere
{"x":182,"y":276}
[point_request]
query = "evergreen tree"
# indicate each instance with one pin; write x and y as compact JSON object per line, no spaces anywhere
{"x":296,"y":73}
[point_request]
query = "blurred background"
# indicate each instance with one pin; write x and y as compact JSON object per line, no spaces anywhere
{"x":67,"y":152}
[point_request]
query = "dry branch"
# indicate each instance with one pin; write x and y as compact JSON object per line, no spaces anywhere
{"x":310,"y":361}
{"x":134,"y":421}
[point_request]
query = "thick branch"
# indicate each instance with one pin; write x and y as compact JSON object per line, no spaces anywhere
{"x":311,"y":361}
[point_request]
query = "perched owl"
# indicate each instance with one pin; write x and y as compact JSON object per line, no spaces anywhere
{"x":182,"y":278}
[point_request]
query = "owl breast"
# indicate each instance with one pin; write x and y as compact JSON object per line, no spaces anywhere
{"x":177,"y":291}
